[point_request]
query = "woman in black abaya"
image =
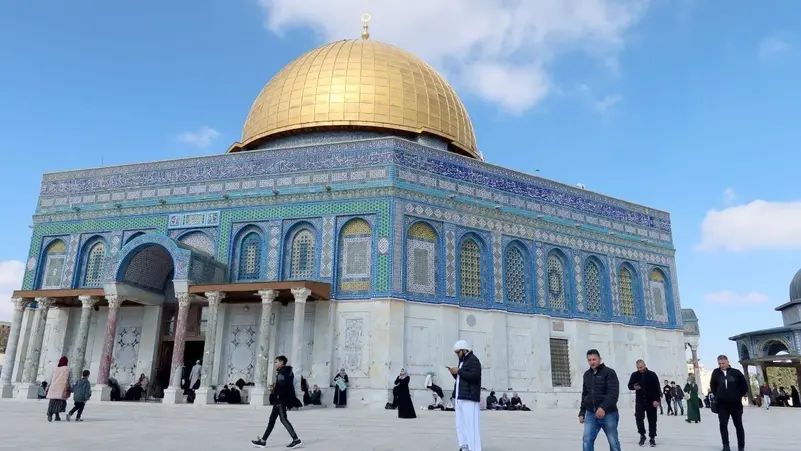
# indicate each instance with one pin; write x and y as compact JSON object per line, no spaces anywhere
{"x":405,"y":405}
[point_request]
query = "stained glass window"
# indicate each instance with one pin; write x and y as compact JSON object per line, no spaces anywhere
{"x":302,"y":264}
{"x":657,"y":282}
{"x":556,"y":283}
{"x":470,"y":268}
{"x":250,"y":257}
{"x":560,"y":362}
{"x":592,"y":287}
{"x":54,"y":265}
{"x":355,"y":259}
{"x":421,"y":248}
{"x":625,"y":287}
{"x":515,"y":275}
{"x":94,"y":265}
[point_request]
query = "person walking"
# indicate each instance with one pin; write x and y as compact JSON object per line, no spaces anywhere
{"x":729,"y":386}
{"x":81,"y":392}
{"x":284,"y":398}
{"x":599,"y":395}
{"x":668,"y":394}
{"x":58,"y":390}
{"x":467,"y":394}
{"x":678,"y":398}
{"x":647,"y":393}
{"x":693,"y":402}
{"x":764,"y":390}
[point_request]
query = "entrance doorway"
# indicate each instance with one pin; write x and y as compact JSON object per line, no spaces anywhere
{"x":192,"y":353}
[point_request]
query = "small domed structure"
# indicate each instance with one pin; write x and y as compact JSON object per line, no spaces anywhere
{"x":795,"y":287}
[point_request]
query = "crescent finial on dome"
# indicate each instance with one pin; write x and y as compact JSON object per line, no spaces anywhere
{"x":365,"y":25}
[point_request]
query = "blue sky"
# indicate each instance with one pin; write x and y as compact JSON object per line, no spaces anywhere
{"x":671,"y":104}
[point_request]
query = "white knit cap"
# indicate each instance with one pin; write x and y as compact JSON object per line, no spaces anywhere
{"x":461,"y":345}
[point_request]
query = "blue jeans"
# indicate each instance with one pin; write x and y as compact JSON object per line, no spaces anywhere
{"x":592,"y":426}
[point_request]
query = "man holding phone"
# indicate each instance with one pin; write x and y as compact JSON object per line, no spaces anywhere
{"x":467,"y":396}
{"x":647,"y":393}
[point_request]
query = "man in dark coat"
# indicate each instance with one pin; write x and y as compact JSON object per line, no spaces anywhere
{"x":285,"y":398}
{"x":467,"y":394}
{"x":599,"y":395}
{"x":647,"y":393}
{"x":668,"y":394}
{"x":729,"y":386}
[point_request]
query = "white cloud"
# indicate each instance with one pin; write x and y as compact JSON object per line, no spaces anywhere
{"x":772,"y":45}
{"x":201,"y":137}
{"x":757,"y":225}
{"x":499,"y":49}
{"x":729,"y":196}
{"x":11,"y":274}
{"x":730,"y":297}
{"x":607,"y":102}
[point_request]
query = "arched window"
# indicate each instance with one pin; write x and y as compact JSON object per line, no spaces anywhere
{"x":515,"y":275}
{"x":658,"y":293}
{"x":199,"y":241}
{"x":470,"y":268}
{"x":55,"y":256}
{"x":557,"y":299}
{"x":95,"y":259}
{"x":421,"y":251}
{"x":302,"y":262}
{"x":625,"y":288}
{"x":250,"y":257}
{"x":355,"y":256}
{"x":592,"y":287}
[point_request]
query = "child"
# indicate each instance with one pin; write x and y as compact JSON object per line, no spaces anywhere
{"x":81,"y":392}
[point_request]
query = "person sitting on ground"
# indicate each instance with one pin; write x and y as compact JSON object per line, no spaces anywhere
{"x":42,"y":390}
{"x":492,"y":401}
{"x":504,"y":403}
{"x":436,"y":404}
{"x":235,"y":396}
{"x":432,"y":386}
{"x":222,"y":396}
{"x":315,"y":396}
{"x":517,"y":403}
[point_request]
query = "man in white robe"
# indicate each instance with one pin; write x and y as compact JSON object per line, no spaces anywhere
{"x":467,"y":396}
{"x":194,"y":376}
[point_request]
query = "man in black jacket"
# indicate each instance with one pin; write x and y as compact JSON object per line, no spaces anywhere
{"x":467,"y":394}
{"x":285,"y":397}
{"x":599,"y":395}
{"x":647,"y":393}
{"x":729,"y":386}
{"x":668,"y":393}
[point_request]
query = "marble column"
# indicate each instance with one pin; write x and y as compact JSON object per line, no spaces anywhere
{"x":29,"y":389}
{"x":78,"y":358}
{"x":6,"y":387}
{"x":260,"y":395}
{"x":174,"y":394}
{"x":750,"y":393}
{"x":301,"y":294}
{"x":205,"y":394}
{"x":696,"y":368}
{"x":101,"y":391}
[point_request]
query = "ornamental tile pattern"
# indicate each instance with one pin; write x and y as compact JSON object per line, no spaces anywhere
{"x":327,"y":257}
{"x":646,"y":292}
{"x":613,"y":282}
{"x":450,"y":261}
{"x":69,"y":266}
{"x":398,"y":230}
{"x":273,"y":252}
{"x":497,"y":265}
{"x":540,"y":252}
{"x":579,"y":284}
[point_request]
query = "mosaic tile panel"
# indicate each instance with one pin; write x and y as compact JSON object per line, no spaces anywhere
{"x":194,"y":219}
{"x":577,"y":275}
{"x":450,"y":261}
{"x":93,"y":271}
{"x":327,"y":258}
{"x":592,"y":287}
{"x":497,"y":265}
{"x":616,"y":310}
{"x":470,"y":268}
{"x":355,"y":260}
{"x":557,"y":298}
{"x":69,"y":265}
{"x":540,"y":253}
{"x":625,"y":285}
{"x":126,"y":353}
{"x":273,"y":253}
{"x":241,"y":354}
{"x":302,"y":258}
{"x":421,"y":259}
{"x":675,"y":292}
{"x":398,"y":229}
{"x":647,"y":306}
{"x":50,"y":229}
{"x":54,"y":262}
{"x":250,"y":257}
{"x":515,"y":276}
{"x":198,"y":240}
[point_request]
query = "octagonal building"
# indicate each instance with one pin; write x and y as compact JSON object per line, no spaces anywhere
{"x":354,"y":226}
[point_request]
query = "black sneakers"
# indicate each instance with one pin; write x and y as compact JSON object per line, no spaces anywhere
{"x":295,"y":444}
{"x":642,"y":440}
{"x":653,"y":442}
{"x":259,"y":443}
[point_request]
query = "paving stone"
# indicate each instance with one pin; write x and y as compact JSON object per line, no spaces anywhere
{"x":140,"y":427}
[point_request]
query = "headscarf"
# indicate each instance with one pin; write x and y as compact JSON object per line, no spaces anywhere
{"x":461,"y":345}
{"x":403,"y":372}
{"x":62,"y":361}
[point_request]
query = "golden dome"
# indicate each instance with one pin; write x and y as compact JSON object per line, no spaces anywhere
{"x":359,"y":83}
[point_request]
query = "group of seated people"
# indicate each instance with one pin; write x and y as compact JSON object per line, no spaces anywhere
{"x":230,"y":394}
{"x":505,"y":403}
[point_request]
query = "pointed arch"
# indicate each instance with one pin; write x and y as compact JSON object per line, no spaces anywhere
{"x":134,"y":236}
{"x":198,"y":240}
{"x":516,"y":274}
{"x":55,"y":257}
{"x":248,"y":262}
{"x":93,"y":261}
{"x":627,"y":292}
{"x":471,"y":249}
{"x":355,"y":256}
{"x":657,"y":283}
{"x":422,"y":246}
{"x":557,"y":283}
{"x":300,"y":253}
{"x":594,"y":286}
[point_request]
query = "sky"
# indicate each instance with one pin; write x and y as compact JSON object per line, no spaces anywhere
{"x":687,"y":106}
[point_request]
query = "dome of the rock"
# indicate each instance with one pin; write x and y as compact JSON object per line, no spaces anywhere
{"x":360,"y":84}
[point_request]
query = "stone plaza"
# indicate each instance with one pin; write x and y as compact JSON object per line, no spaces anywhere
{"x":139,"y":426}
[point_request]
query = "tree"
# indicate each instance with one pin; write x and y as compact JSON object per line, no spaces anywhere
{"x":782,"y":377}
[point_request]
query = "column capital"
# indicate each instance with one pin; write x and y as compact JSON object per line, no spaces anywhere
{"x":301,"y":294}
{"x":89,"y":301}
{"x":184,"y":299}
{"x":267,"y":296}
{"x":214,"y":297}
{"x":44,"y":302}
{"x":114,"y":300}
{"x":20,"y":303}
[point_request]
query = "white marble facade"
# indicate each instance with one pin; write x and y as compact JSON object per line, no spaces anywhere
{"x":374,"y":339}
